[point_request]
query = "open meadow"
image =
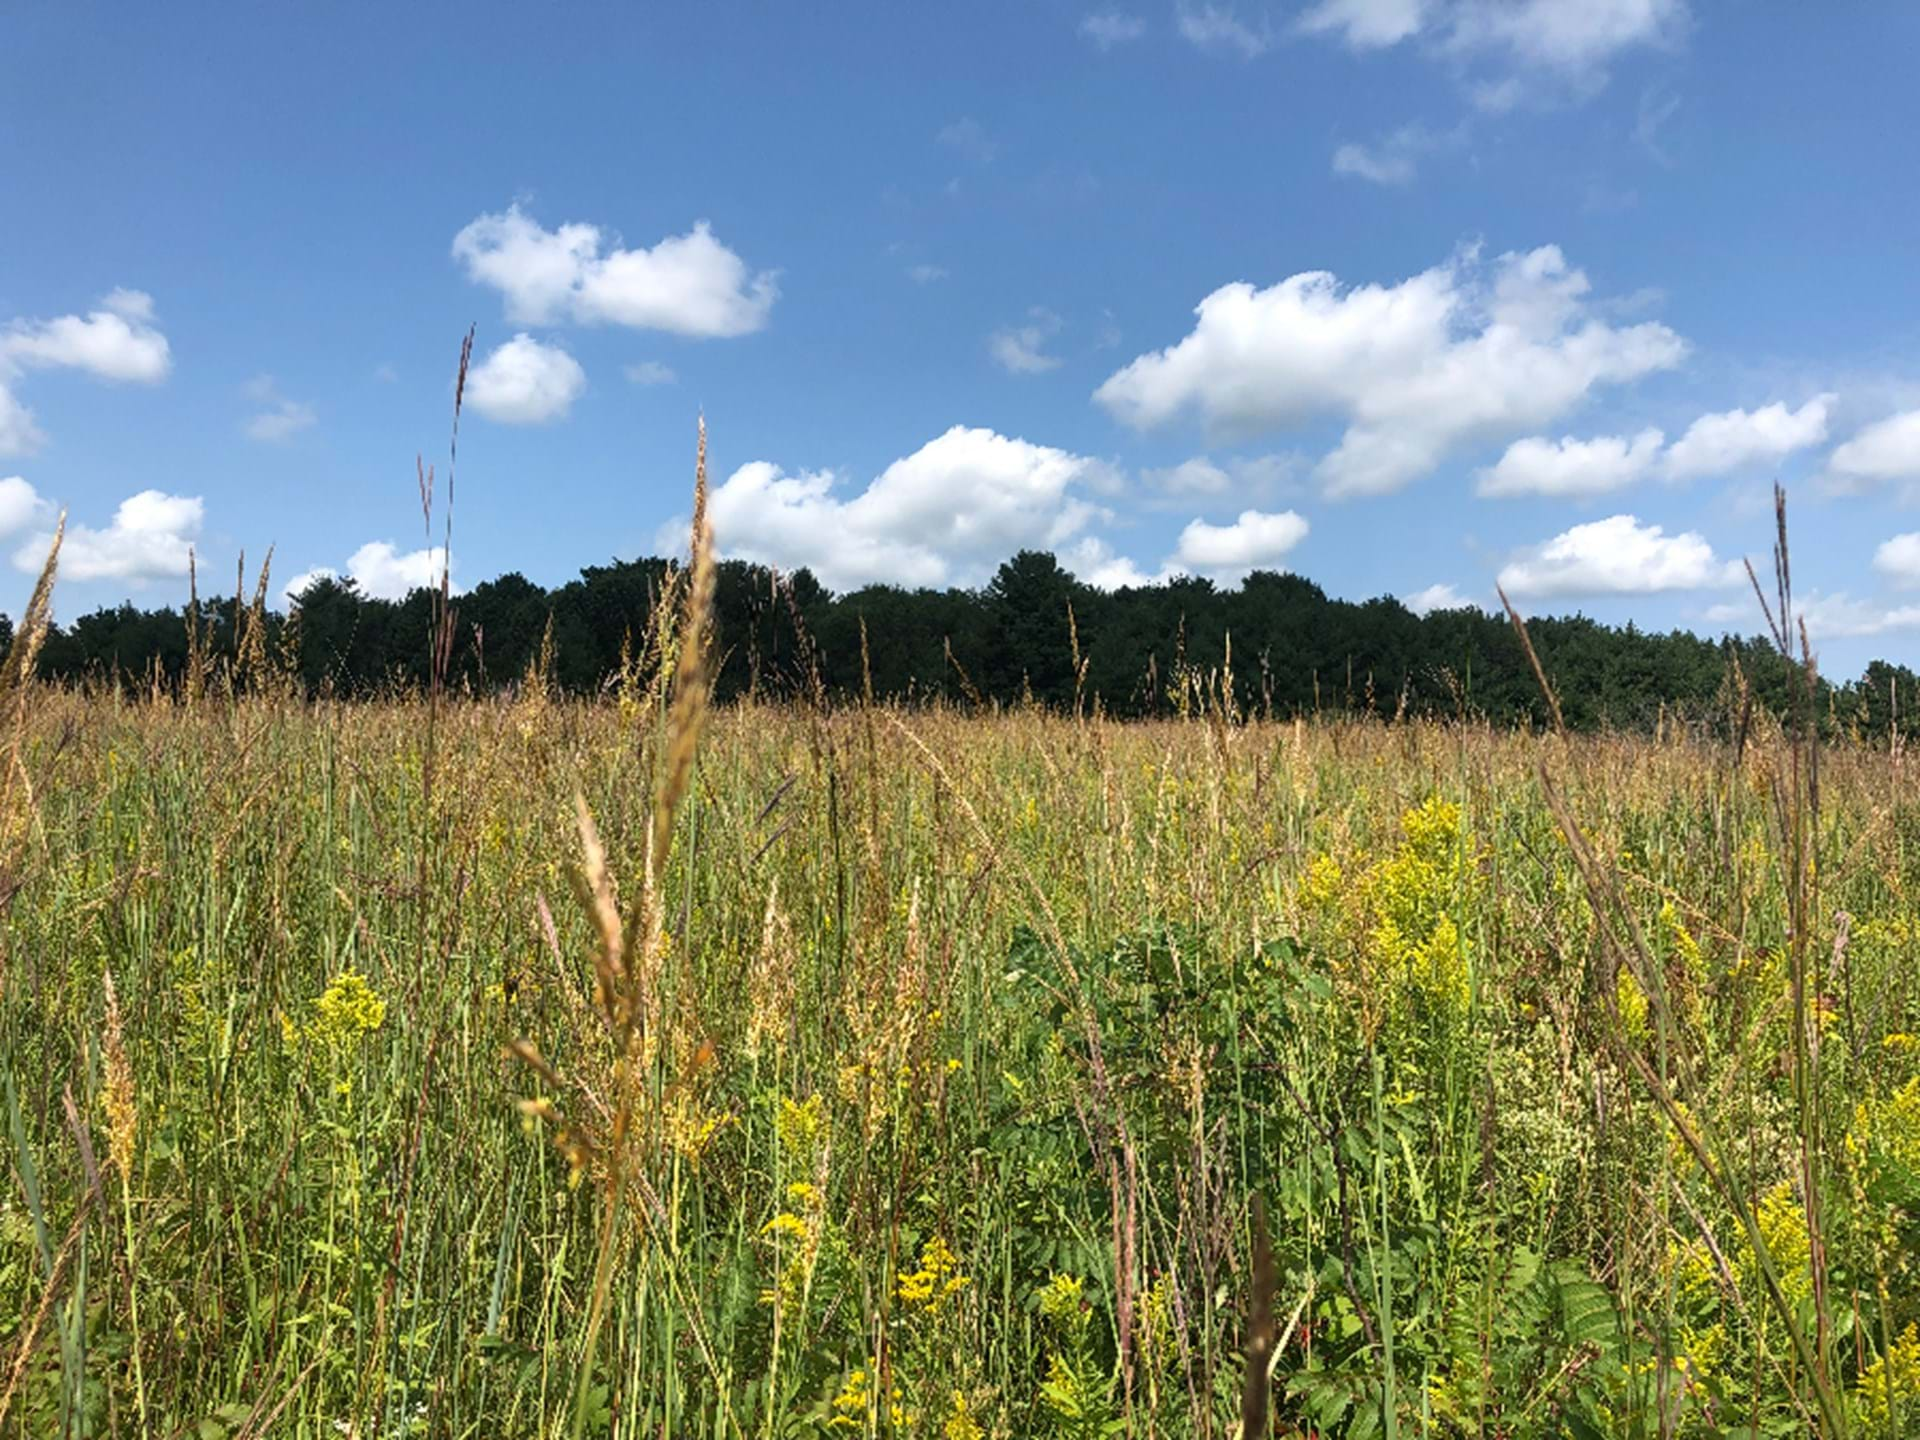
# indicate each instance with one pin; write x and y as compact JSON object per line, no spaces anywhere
{"x":533,"y":1066}
{"x":1206,"y":821}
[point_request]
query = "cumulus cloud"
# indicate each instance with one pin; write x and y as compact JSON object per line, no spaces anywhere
{"x":1616,"y":556}
{"x":687,"y":284}
{"x":1021,"y":349}
{"x":1898,"y":559}
{"x":117,"y":341}
{"x":20,"y":505}
{"x":525,"y":382}
{"x":381,"y":571}
{"x":1838,"y":616}
{"x":1571,"y":468}
{"x":1218,"y":28}
{"x":1255,"y":541}
{"x":387,"y":573}
{"x":1094,"y":562}
{"x":1439,"y":596}
{"x":1226,"y":553}
{"x":149,"y":539}
{"x":926,"y":274}
{"x":943,"y":515}
{"x":1888,"y":449}
{"x":1108,"y":28}
{"x":279,"y":418}
{"x":1716,"y":444}
{"x":297,"y":586}
{"x":1417,"y":369}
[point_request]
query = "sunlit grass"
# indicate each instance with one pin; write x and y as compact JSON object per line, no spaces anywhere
{"x":965,"y":1042}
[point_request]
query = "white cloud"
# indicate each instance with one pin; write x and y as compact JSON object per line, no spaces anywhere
{"x":1715,"y":444}
{"x":1417,"y":369}
{"x":1838,"y":616}
{"x":297,"y":586}
{"x":115,"y":342}
{"x":148,"y":539}
{"x":1259,"y":474}
{"x":1898,"y":559}
{"x":525,"y":382}
{"x":1616,"y":556}
{"x":1226,"y":553}
{"x":1574,"y":36}
{"x":651,"y":372}
{"x":1569,"y":467}
{"x":1367,"y":24}
{"x":687,"y":284}
{"x":281,"y":418}
{"x":1440,"y":596}
{"x":1198,"y":476}
{"x":389,"y":574}
{"x":1383,"y":166}
{"x":1888,"y":449}
{"x":18,"y":433}
{"x":1108,"y":28}
{"x":1394,"y":158}
{"x":1021,"y":349}
{"x":943,"y":515}
{"x":382,"y":572}
{"x":1571,"y":39}
{"x":20,"y":505}
{"x":1094,"y":562}
{"x":1218,"y":28}
{"x":926,"y":274}
{"x":1255,"y":541}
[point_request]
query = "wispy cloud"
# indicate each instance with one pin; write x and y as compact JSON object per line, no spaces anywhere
{"x":1021,"y":349}
{"x":1656,"y":108}
{"x":968,"y":139}
{"x":1106,"y":29}
{"x":279,"y":419}
{"x":651,"y":372}
{"x":1394,"y":158}
{"x":1219,"y":28}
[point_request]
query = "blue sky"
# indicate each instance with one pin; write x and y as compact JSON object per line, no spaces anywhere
{"x":1408,"y":296}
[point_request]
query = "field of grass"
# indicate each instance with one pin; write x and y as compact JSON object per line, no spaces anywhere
{"x":533,"y":1068}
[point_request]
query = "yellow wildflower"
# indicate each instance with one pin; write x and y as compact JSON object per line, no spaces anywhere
{"x":937,"y":1279}
{"x":1892,"y":1381}
{"x":851,"y":1402}
{"x":960,"y":1422}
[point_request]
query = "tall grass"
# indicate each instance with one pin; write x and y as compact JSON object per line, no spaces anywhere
{"x":899,"y":1072}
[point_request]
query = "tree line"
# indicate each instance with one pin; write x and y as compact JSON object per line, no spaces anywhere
{"x":1277,"y":644}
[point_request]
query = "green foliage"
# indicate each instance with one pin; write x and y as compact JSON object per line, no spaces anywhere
{"x":1153,"y":650}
